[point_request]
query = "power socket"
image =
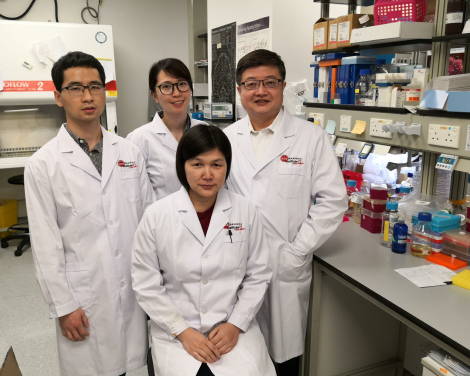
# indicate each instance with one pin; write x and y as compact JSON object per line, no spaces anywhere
{"x":444,"y":135}
{"x":318,"y":117}
{"x":376,"y":128}
{"x":345,"y":123}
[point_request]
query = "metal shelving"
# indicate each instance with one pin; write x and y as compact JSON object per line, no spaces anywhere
{"x":384,"y":48}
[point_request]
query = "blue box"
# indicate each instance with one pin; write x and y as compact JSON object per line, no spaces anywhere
{"x":315,"y":78}
{"x":337,"y":55}
{"x":441,"y":222}
{"x":198,"y":115}
{"x":358,"y":60}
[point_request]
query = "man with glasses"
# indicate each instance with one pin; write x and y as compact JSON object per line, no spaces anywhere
{"x":86,"y":191}
{"x":287,"y":168}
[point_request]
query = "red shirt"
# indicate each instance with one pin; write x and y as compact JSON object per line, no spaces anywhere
{"x":205,"y":218}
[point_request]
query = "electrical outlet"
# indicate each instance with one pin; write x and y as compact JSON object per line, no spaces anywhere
{"x":318,"y":118}
{"x":345,"y":123}
{"x":444,"y":135}
{"x":376,"y":129}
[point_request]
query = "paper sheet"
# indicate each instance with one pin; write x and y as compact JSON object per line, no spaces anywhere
{"x":435,"y":99}
{"x":331,"y":127}
{"x":340,"y":149}
{"x":427,"y":275}
{"x":467,"y":146}
{"x":359,"y":127}
{"x":1,"y":80}
{"x":53,"y":49}
{"x":108,"y":69}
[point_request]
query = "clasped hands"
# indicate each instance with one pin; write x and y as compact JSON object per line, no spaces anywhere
{"x":207,"y":350}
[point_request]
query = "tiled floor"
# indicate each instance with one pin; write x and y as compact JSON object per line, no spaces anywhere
{"x":24,"y":318}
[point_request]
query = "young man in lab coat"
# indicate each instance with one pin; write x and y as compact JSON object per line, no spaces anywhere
{"x":86,"y":191}
{"x":287,"y":168}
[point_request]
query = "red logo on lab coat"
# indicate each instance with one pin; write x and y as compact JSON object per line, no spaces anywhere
{"x":293,"y":160}
{"x":234,"y":226}
{"x":284,"y":158}
{"x":121,"y":163}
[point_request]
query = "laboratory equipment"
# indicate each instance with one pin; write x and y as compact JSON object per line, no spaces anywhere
{"x":404,"y":192}
{"x":370,"y":221}
{"x":389,"y":218}
{"x":365,"y":187}
{"x":441,"y":222}
{"x":455,"y":17}
{"x":365,"y":21}
{"x":218,"y":111}
{"x":363,"y":95}
{"x":420,"y":244}
{"x":357,"y":201}
{"x":350,"y":189}
{"x":388,"y":11}
{"x":366,"y":150}
{"x":400,"y":236}
{"x":457,"y":243}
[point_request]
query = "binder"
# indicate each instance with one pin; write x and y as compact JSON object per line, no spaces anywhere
{"x":334,"y":83}
{"x":322,"y":82}
{"x":315,"y":83}
{"x":330,"y":73}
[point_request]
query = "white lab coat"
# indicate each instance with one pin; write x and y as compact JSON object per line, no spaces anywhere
{"x":82,"y":226}
{"x":185,"y":279}
{"x":158,"y":147}
{"x":284,"y":193}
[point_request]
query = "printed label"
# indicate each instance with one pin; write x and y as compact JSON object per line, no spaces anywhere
{"x":386,"y":230}
{"x":412,"y":95}
{"x":422,"y":202}
{"x":319,"y":39}
{"x":343,"y":32}
{"x":333,"y":33}
{"x":454,"y":18}
{"x":28,"y":86}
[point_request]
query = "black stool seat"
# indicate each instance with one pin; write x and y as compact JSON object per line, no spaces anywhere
{"x":21,"y":229}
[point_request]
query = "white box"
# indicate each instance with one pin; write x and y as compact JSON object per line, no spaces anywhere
{"x":423,"y":75}
{"x":393,"y":32}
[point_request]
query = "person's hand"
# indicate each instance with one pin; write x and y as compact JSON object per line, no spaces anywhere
{"x":199,"y":346}
{"x":225,"y":337}
{"x":73,"y":325}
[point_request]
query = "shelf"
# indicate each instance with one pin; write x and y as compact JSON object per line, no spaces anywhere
{"x":444,"y":114}
{"x":15,"y":162}
{"x":202,"y":35}
{"x":352,"y":107}
{"x":362,"y":3}
{"x":385,"y":48}
{"x":457,"y":39}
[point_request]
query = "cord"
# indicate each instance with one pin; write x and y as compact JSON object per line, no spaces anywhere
{"x":92,"y":11}
{"x":56,"y":11}
{"x":24,"y":14}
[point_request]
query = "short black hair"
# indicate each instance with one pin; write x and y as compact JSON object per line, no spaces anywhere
{"x":72,"y":60}
{"x":198,"y":140}
{"x":172,"y":67}
{"x":258,"y":58}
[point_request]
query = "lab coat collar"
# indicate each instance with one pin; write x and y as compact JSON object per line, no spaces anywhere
{"x":159,"y":127}
{"x":278,"y":144}
{"x":110,"y":155}
{"x":78,"y":158}
{"x":191,"y":221}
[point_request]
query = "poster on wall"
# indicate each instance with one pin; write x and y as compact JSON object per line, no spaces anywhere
{"x":251,"y":36}
{"x":223,"y":63}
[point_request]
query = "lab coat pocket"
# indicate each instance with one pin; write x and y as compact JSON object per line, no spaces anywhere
{"x":79,"y":281}
{"x":290,"y":177}
{"x":234,"y":250}
{"x":131,"y":182}
{"x":292,"y":267}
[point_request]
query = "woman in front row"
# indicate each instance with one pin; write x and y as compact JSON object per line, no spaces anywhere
{"x":200,"y":268}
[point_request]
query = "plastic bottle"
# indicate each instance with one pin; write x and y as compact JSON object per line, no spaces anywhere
{"x":357,"y":201}
{"x":400,"y":236}
{"x":420,"y":241}
{"x":404,"y":192}
{"x":365,"y":188}
{"x":364,"y":96}
{"x":410,"y":180}
{"x":455,"y":17}
{"x":350,"y":189}
{"x":389,"y":218}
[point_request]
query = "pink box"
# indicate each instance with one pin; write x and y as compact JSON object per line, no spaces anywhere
{"x":378,"y":193}
{"x":371,"y":222}
{"x":375,"y":206}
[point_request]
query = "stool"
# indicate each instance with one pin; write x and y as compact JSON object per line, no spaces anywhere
{"x":21,"y":227}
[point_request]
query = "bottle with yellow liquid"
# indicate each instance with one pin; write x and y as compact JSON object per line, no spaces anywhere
{"x":420,"y":237}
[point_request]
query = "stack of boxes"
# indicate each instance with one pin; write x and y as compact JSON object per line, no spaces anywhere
{"x":372,"y":209}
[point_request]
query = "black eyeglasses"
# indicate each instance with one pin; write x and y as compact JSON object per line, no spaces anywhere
{"x":167,"y":89}
{"x":79,"y":90}
{"x":269,"y":83}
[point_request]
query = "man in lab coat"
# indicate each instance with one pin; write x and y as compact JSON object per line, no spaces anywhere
{"x":288,"y":169}
{"x":86,"y":191}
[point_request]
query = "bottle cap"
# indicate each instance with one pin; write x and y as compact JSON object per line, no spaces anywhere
{"x":405,"y":189}
{"x":425,"y":217}
{"x":365,"y":18}
{"x":351,"y":183}
{"x":410,"y":174}
{"x":397,"y":190}
{"x":363,"y":72}
{"x":380,"y":62}
{"x":391,"y":205}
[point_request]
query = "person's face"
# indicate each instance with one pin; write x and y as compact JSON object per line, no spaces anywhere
{"x":84,"y":108}
{"x":206,"y":173}
{"x":178,"y":101}
{"x":262,"y":102}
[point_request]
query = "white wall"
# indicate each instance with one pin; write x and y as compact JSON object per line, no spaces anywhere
{"x":144,"y":32}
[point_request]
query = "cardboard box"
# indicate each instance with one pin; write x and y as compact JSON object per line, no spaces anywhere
{"x":392,"y":32}
{"x":346,"y":24}
{"x":10,"y":365}
{"x":320,"y":34}
{"x":332,"y":34}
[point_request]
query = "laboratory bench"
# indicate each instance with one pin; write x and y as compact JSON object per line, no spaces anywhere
{"x":362,"y":311}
